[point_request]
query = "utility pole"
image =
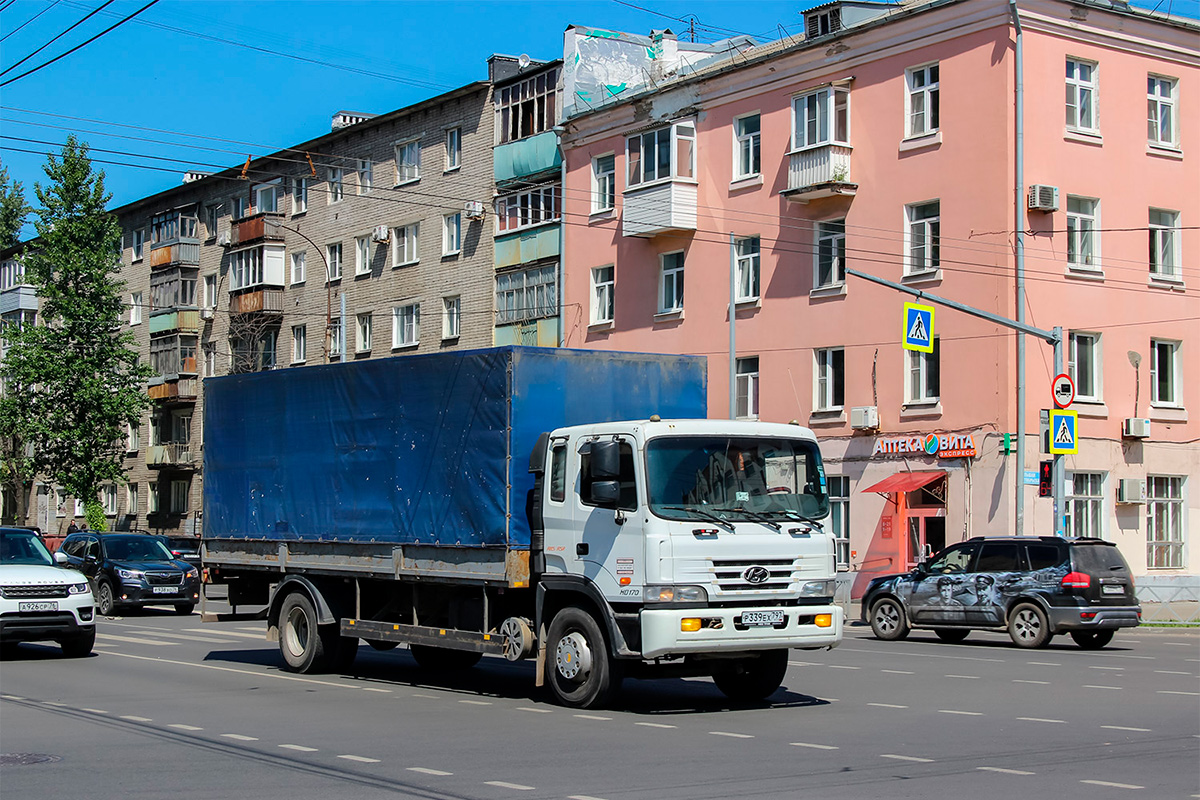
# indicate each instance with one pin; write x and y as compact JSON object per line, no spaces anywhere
{"x":1054,"y":337}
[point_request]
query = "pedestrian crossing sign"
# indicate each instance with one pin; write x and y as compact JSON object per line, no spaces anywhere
{"x":1064,"y":431}
{"x":918,"y":327}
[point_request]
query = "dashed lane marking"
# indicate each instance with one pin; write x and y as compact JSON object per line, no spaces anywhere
{"x":803,"y":664}
{"x":731,"y":735}
{"x":814,"y":746}
{"x":1188,"y":694}
{"x":441,"y":773}
{"x":520,"y":787}
{"x":655,"y":725}
{"x":1106,"y":668}
{"x":1170,"y":672}
{"x":1179,"y":644}
{"x":897,"y":671}
{"x":536,"y":710}
{"x":376,"y":689}
{"x":886,"y":705}
{"x":182,"y":727}
{"x":583,"y":797}
{"x":906,"y":758}
{"x":261,"y":636}
{"x":961,"y":713}
{"x":1006,"y":771}
{"x":927,"y":655}
{"x":1114,"y":785}
{"x":94,"y":710}
{"x":299,"y":747}
{"x":1042,"y":719}
{"x":842,"y":666}
{"x":11,"y":697}
{"x":360,"y":759}
{"x":1094,"y":686}
{"x":209,"y":639}
{"x":475,"y":702}
{"x":239,"y":737}
{"x":135,"y":640}
{"x":52,"y":703}
{"x":967,"y":677}
{"x":1043,"y":664}
{"x":132,"y":718}
{"x":1125,"y":728}
{"x":252,"y":673}
{"x":427,"y":696}
{"x":1039,"y":683}
{"x":593,"y":716}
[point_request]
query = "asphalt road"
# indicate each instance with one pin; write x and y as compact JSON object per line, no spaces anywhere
{"x":168,"y":707}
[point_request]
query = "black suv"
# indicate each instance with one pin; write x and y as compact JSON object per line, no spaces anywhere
{"x":1035,"y":587}
{"x":132,"y":569}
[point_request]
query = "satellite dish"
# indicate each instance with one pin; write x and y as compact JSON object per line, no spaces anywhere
{"x":1135,"y":358}
{"x":522,"y":61}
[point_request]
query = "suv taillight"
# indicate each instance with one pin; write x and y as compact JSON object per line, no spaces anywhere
{"x":1076,"y":580}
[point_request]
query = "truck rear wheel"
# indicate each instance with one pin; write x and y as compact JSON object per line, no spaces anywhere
{"x":305,"y":645}
{"x":439,"y":659}
{"x":582,"y":672}
{"x":748,"y":679}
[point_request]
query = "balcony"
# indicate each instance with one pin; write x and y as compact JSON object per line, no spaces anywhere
{"x":669,"y":205}
{"x":257,"y":301}
{"x":181,"y":390}
{"x":527,"y":157}
{"x":178,"y":455}
{"x":819,"y":172}
{"x":18,"y":298}
{"x":264,"y":226}
{"x":174,"y":240}
{"x":181,"y":320}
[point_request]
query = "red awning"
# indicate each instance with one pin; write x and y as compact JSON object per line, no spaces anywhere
{"x":905,"y":482}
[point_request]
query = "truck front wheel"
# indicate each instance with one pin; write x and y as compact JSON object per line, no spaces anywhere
{"x":305,"y":645}
{"x":749,"y":679}
{"x":582,"y":672}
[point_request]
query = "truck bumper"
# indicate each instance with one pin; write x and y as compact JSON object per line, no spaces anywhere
{"x":721,"y":630}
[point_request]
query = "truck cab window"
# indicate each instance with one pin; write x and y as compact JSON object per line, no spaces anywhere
{"x":628,"y":500}
{"x":558,"y":473}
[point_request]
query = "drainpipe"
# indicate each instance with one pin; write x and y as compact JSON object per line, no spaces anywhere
{"x":562,"y":232}
{"x":1019,"y":215}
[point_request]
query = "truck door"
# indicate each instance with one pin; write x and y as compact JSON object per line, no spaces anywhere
{"x":609,"y":548}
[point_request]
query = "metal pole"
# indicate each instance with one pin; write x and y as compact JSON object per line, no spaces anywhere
{"x":344,"y":337}
{"x":1060,"y":494}
{"x":732,"y":329}
{"x":328,"y":287}
{"x":1018,"y":55}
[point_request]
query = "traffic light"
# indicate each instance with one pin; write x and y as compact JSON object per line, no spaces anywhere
{"x":1045,"y":478}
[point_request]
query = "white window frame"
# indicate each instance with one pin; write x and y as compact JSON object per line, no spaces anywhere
{"x":453,"y":148}
{"x":670,"y":282}
{"x":362,"y":255}
{"x":828,"y":111}
{"x":299,"y":266}
{"x":452,"y":234}
{"x":748,"y":255}
{"x":108,"y":499}
{"x":1083,"y":233}
{"x":603,"y":305}
{"x":829,"y":378}
{"x":210,"y":359}
{"x":135,"y":308}
{"x":269,"y":190}
{"x":1168,"y":351}
{"x":528,"y":209}
{"x":830,"y":237}
{"x":1165,"y":261}
{"x":921,"y":100}
{"x":1082,"y":96}
{"x":362,"y":339}
{"x":210,"y":291}
{"x":246,"y":268}
{"x":922,"y":371}
{"x":212,"y":216}
{"x":152,"y":498}
{"x":746,"y":388}
{"x":131,"y":499}
{"x":604,"y":182}
{"x":406,"y":325}
{"x":299,"y":196}
{"x":133,"y":437}
{"x":408,"y":161}
{"x":337,"y":337}
{"x":139,"y":243}
{"x":1166,"y":522}
{"x":922,"y":238}
{"x":404,"y":244}
{"x":838,"y":489}
{"x":747,"y":147}
{"x":238,"y":207}
{"x":1086,"y":349}
{"x":299,"y":344}
{"x":79,"y":508}
{"x":333,"y":262}
{"x":365,"y":171}
{"x":337,"y":185}
{"x":1084,"y":511}
{"x":451,"y":317}
{"x":1162,"y":123}
{"x":680,"y":138}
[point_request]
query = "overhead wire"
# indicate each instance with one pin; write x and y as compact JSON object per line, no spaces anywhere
{"x":26,"y":22}
{"x":93,"y":13}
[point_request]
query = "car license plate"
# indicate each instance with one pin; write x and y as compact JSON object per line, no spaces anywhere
{"x":165,"y":589}
{"x":1112,"y":590}
{"x":44,"y":605}
{"x":762,"y":619}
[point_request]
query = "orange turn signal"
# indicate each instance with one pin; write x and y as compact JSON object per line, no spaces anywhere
{"x":690,"y":624}
{"x":824,"y":620}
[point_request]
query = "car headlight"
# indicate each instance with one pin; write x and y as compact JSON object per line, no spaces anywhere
{"x":818,"y":588}
{"x":191,"y":572}
{"x":675,"y":594}
{"x":129,"y":574}
{"x":78,"y":588}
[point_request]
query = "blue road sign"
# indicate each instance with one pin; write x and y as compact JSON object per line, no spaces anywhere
{"x":918,"y":327}
{"x":1064,"y":431}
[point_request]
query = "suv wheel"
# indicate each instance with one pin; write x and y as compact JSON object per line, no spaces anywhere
{"x":1028,"y":627}
{"x":1092,"y":640}
{"x":105,"y":603}
{"x":887,"y":620}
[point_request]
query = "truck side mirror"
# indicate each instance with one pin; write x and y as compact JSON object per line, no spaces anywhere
{"x":606,"y":494}
{"x":606,"y":460}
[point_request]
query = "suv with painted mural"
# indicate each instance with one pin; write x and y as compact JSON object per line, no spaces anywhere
{"x":1035,"y":587}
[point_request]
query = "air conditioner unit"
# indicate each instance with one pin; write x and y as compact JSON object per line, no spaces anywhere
{"x":223,"y":239}
{"x":864,"y":417}
{"x":473,"y":209}
{"x":1135,"y":428}
{"x":1043,"y":197}
{"x":380,"y":234}
{"x":1131,"y":490}
{"x":206,"y":313}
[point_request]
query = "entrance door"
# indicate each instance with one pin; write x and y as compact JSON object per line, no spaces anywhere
{"x":926,"y":536}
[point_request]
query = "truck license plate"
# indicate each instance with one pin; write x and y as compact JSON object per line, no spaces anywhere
{"x":1112,"y":590}
{"x":44,"y":605}
{"x":762,"y":619}
{"x":165,"y":589}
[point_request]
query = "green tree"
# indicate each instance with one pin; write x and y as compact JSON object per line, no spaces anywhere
{"x":76,"y":375}
{"x":13,"y":210}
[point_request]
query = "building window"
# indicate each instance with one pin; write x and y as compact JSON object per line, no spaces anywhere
{"x":747,"y":251}
{"x":1164,"y":373}
{"x":830,"y":383}
{"x":1085,"y":504}
{"x":406,"y":322}
{"x":602,"y":295}
{"x":668,"y":152}
{"x":139,"y":243}
{"x":821,"y":117}
{"x":527,"y":294}
{"x":452,"y":233}
{"x":924,"y":374}
{"x":179,"y":497}
{"x":238,"y":207}
{"x":363,"y":340}
{"x":299,"y":196}
{"x":831,"y":254}
{"x":133,"y":437}
{"x":362,"y":255}
{"x":108,"y":499}
{"x":670,"y":282}
{"x":526,"y":209}
{"x":298,"y":267}
{"x":333,"y":257}
{"x":210,"y":359}
{"x":337,"y":336}
{"x":1164,"y":522}
{"x":404,"y":245}
{"x":823,"y":23}
{"x":922,"y":106}
{"x":152,"y":497}
{"x":246,"y":268}
{"x":746,"y":388}
{"x":337,"y":177}
{"x":131,"y":500}
{"x":1161,"y":114}
{"x":451,"y":317}
{"x":1081,"y":95}
{"x":408,"y":161}
{"x":527,"y":108}
{"x":299,"y":344}
{"x":210,"y":291}
{"x":453,"y":148}
{"x":211,"y":215}
{"x":266,"y":197}
{"x":135,"y":308}
{"x":366,"y":175}
{"x":747,"y":148}
{"x":924,"y":237}
{"x":839,"y":519}
{"x":79,"y":509}
{"x":1083,"y":241}
{"x":1164,"y":244}
{"x":604,"y":183}
{"x":1083,"y":365}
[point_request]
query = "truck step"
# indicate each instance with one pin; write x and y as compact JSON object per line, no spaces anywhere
{"x":449,"y":638}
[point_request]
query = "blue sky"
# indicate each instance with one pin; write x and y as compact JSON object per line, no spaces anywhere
{"x":176,"y":67}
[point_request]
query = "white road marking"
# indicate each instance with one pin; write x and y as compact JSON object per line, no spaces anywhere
{"x":927,"y":655}
{"x":376,"y":689}
{"x":132,"y":718}
{"x":962,"y":713}
{"x":1041,"y":719}
{"x":1125,"y":728}
{"x":1106,"y":668}
{"x":252,"y":673}
{"x":135,"y":640}
{"x":1179,"y":644}
{"x":261,"y":636}
{"x":1043,"y":664}
{"x":536,"y":710}
{"x":730,"y":735}
{"x":886,"y":705}
{"x":258,"y":629}
{"x":299,"y":747}
{"x":428,"y":771}
{"x":896,"y":671}
{"x":1170,"y":672}
{"x":593,"y":716}
{"x":906,"y":758}
{"x":11,"y":697}
{"x":183,"y":727}
{"x":1093,"y":686}
{"x":1115,"y":785}
{"x":47,"y":702}
{"x":94,"y":710}
{"x":520,"y":787}
{"x":1040,"y":683}
{"x":103,"y":644}
{"x":239,"y":737}
{"x":361,"y":759}
{"x":814,"y":746}
{"x":803,"y":664}
{"x":842,"y":666}
{"x":583,"y":797}
{"x":427,"y":696}
{"x":655,"y":725}
{"x":1189,"y":694}
{"x":1006,"y":771}
{"x":475,"y":702}
{"x":209,"y":639}
{"x":968,"y":677}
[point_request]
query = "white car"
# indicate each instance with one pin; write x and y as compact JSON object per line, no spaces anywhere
{"x":41,"y":601}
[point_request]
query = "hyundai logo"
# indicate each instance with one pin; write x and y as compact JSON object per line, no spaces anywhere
{"x":756,"y":574}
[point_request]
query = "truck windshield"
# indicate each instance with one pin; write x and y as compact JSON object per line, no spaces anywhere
{"x":702,"y":477}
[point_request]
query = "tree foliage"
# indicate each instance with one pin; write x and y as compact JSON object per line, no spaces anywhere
{"x":13,"y":210}
{"x":75,"y":376}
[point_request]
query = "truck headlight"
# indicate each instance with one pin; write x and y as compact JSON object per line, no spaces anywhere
{"x":675,"y":594}
{"x":818,"y":588}
{"x":77,"y":588}
{"x":129,"y":574}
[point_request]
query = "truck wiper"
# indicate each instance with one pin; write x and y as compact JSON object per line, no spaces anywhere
{"x":796,"y":515}
{"x":701,"y":512}
{"x":758,"y":517}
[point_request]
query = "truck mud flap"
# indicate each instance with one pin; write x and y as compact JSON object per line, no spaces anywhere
{"x":473,"y":641}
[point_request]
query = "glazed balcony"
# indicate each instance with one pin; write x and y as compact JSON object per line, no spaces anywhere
{"x":257,"y":301}
{"x":180,"y":390}
{"x":817,"y":172}
{"x":265,"y":226}
{"x":174,"y":240}
{"x":668,"y":205}
{"x":18,"y":298}
{"x":174,"y":455}
{"x":178,"y":320}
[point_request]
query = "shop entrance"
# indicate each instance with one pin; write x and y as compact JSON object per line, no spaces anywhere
{"x":926,"y":535}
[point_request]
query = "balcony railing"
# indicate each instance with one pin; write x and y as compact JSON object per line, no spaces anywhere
{"x":178,"y":454}
{"x":258,"y":301}
{"x":262,"y":226}
{"x":819,"y":172}
{"x":182,"y":320}
{"x":658,"y":208}
{"x":176,"y":253}
{"x":183,"y":390}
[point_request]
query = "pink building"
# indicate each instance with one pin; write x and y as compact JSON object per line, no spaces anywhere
{"x":766,"y":172}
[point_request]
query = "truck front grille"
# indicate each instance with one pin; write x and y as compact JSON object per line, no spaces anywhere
{"x":730,"y":574}
{"x":53,"y":590}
